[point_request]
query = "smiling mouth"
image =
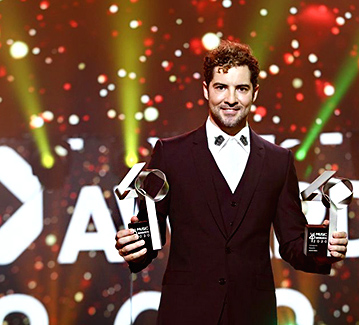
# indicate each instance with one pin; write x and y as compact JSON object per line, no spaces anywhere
{"x":230,"y":108}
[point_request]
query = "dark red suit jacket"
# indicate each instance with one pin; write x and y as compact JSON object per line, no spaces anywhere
{"x":206,"y":263}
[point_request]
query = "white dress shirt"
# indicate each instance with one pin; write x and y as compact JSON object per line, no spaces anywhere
{"x":231,"y":155}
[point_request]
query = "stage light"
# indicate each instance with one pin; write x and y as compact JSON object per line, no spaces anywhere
{"x":312,"y":58}
{"x":274,"y":69}
{"x":139,"y":116}
{"x":113,"y":9}
{"x":317,"y":73}
{"x":226,"y":3}
{"x":19,"y":50}
{"x":151,"y":114}
{"x":329,"y":90}
{"x":293,"y":10}
{"x":348,"y":15}
{"x":145,"y":99}
{"x":47,"y":160}
{"x":276,"y":119}
{"x":297,"y":83}
{"x":132,"y":75}
{"x":47,"y":116}
{"x":134,"y":24}
{"x":340,"y":21}
{"x":32,"y":32}
{"x":111,"y":113}
{"x":263,"y":12}
{"x":102,"y":78}
{"x":122,"y":73}
{"x":131,"y":159}
{"x":103,"y":92}
{"x":178,"y":53}
{"x":36,"y":122}
{"x":74,"y":119}
{"x":295,"y":44}
{"x":210,"y":41}
{"x":263,"y":74}
{"x":50,"y":240}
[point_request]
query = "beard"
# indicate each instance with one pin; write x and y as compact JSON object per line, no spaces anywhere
{"x":229,"y":122}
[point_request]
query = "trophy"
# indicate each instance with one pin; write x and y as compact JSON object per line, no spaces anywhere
{"x":335,"y":194}
{"x":152,"y":185}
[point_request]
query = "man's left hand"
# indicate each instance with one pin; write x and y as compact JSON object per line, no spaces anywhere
{"x":337,"y":247}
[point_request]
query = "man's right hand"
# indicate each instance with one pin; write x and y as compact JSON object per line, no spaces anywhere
{"x":125,"y":236}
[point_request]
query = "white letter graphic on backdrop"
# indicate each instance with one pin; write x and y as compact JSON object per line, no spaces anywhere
{"x":26,"y":224}
{"x":90,"y":203}
{"x":145,"y":300}
{"x":19,"y":303}
{"x":301,"y":306}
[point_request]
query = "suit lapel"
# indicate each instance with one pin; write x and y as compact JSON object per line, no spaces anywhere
{"x":250,"y":178}
{"x":204,"y":167}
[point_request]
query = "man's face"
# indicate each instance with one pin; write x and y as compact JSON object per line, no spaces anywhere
{"x":230,"y":96}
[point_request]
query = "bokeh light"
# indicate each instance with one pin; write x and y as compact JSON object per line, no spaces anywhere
{"x":19,"y":49}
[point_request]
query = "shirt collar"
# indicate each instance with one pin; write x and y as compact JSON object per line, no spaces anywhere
{"x":213,"y":131}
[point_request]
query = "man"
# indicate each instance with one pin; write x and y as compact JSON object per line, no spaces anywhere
{"x":227,"y":187}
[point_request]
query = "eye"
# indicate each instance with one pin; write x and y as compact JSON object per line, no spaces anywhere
{"x":243,"y":89}
{"x":219,"y":87}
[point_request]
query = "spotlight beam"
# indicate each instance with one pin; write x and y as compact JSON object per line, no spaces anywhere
{"x":346,"y":76}
{"x":265,"y":30}
{"x":25,"y":88}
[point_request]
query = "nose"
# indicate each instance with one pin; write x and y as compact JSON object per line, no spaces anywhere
{"x":231,"y":99}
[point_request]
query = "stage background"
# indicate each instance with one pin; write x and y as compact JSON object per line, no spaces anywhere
{"x":87,"y":86}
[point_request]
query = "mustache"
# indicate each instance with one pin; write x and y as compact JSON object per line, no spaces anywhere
{"x":236,"y":108}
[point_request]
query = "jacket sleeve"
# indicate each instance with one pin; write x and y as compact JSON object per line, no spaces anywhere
{"x":162,"y":208}
{"x":289,"y":224}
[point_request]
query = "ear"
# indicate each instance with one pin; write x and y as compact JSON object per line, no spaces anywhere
{"x":205,"y":89}
{"x":255,"y":93}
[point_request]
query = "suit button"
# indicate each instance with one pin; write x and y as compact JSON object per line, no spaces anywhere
{"x":233,"y":204}
{"x":231,"y":224}
{"x":228,"y":250}
{"x":222,"y":281}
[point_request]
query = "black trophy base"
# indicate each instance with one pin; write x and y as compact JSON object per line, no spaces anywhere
{"x":316,"y":240}
{"x":142,"y":229}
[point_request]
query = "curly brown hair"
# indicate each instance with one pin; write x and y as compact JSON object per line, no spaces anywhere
{"x":230,"y":54}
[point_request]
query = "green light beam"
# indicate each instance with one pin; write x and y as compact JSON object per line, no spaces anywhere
{"x":129,"y":48}
{"x":267,"y":29}
{"x":29,"y":103}
{"x":347,"y":74}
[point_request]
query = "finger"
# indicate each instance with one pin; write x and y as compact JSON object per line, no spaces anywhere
{"x":134,"y":219}
{"x":326,"y":223}
{"x":337,"y":255}
{"x":338,"y":241}
{"x":136,"y":255}
{"x":124,"y":232}
{"x":127,"y":250}
{"x":339,"y":234}
{"x":339,"y":249}
{"x":123,"y":241}
{"x":131,"y":248}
